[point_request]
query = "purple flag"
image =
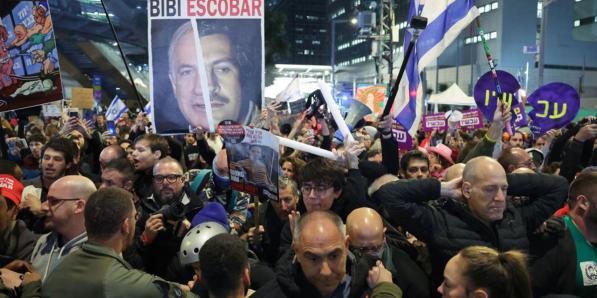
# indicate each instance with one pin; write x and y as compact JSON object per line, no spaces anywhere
{"x":405,"y":141}
{"x":554,"y":106}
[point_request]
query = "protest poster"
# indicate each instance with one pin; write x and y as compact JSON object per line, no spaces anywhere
{"x":206,"y":61}
{"x":29,"y":69}
{"x":554,"y":106}
{"x":81,"y":98}
{"x":253,"y":158}
{"x":486,"y":93}
{"x":405,"y":141}
{"x":434,"y":121}
{"x":52,"y":110}
{"x":471,"y":119}
{"x":373,"y":96}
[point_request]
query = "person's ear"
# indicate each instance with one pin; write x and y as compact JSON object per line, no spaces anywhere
{"x":347,"y":241}
{"x":128,"y":186}
{"x":466,"y":189}
{"x":582,"y":203}
{"x":511,"y":168}
{"x":80,"y":206}
{"x":337,"y":193}
{"x":480,"y":293}
{"x":124,"y":227}
{"x":157,"y":154}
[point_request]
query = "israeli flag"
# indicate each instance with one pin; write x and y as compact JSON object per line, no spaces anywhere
{"x":445,"y":21}
{"x":116,"y":109}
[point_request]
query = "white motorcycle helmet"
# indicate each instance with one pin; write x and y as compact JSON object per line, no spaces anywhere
{"x":196,"y":238}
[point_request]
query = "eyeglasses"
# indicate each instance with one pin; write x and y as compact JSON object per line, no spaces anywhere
{"x":318,"y":189}
{"x":54,"y":201}
{"x":170,"y":178}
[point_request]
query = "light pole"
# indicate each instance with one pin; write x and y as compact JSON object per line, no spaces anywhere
{"x":333,"y":49}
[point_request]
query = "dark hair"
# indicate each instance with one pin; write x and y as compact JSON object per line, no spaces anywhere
{"x":37,"y":138}
{"x":122,"y":166}
{"x":323,"y":170}
{"x":502,"y":274}
{"x":105,"y":210}
{"x":412,"y":154}
{"x":584,"y":184}
{"x":297,"y":163}
{"x":11,"y":168}
{"x":156,"y":143}
{"x":285,"y":129}
{"x":223,"y":258}
{"x":509,"y":157}
{"x":64,"y":145}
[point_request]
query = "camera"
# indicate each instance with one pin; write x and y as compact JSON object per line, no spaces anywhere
{"x":172,"y":212}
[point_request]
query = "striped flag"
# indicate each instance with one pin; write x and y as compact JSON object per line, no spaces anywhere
{"x":117,"y":108}
{"x":445,"y":20}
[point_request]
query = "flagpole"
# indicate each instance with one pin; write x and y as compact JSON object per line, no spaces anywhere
{"x":126,"y":64}
{"x":394,"y":91}
{"x":492,"y":68}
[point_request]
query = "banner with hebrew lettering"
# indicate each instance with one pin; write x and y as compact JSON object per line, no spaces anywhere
{"x":405,"y":141}
{"x":29,"y":69}
{"x":486,"y":93}
{"x":206,"y":63}
{"x":554,"y":106}
{"x":471,"y":119}
{"x":434,"y":121}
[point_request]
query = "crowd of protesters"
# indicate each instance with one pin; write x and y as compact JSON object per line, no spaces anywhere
{"x":89,"y":213}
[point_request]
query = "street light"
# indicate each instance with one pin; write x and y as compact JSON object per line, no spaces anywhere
{"x":333,"y":49}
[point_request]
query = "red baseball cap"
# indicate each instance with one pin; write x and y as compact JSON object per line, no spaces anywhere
{"x":11,"y":188}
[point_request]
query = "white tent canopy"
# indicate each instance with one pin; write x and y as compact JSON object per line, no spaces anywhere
{"x":452,"y":96}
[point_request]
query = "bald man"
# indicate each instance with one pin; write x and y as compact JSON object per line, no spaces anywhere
{"x":513,"y":158}
{"x":449,"y":216}
{"x":367,"y":236}
{"x":454,"y":171}
{"x":64,"y":210}
{"x":109,"y":154}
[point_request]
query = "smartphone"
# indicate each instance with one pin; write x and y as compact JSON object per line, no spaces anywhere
{"x":111,"y":128}
{"x":73,"y":113}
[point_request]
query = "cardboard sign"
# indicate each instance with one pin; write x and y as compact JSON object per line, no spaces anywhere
{"x":554,"y":106}
{"x":434,"y":121}
{"x":486,"y":94}
{"x":405,"y":141}
{"x":29,"y":67}
{"x":471,"y":119}
{"x":81,"y":98}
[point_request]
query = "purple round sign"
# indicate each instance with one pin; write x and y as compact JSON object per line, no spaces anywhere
{"x":554,"y":106}
{"x":486,"y":94}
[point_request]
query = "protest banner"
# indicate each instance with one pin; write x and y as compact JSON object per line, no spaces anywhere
{"x":486,"y":95}
{"x":405,"y":141}
{"x":434,"y":121}
{"x":206,"y":60}
{"x":29,"y":69}
{"x":471,"y":119}
{"x":52,"y":110}
{"x":81,"y":98}
{"x":372,"y":96}
{"x":253,"y":158}
{"x":554,"y":106}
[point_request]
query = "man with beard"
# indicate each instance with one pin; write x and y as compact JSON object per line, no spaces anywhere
{"x":569,"y":265}
{"x":149,"y":148}
{"x":110,"y":221}
{"x":165,"y":217}
{"x":63,"y":211}
{"x":272,"y":217}
{"x":57,"y":161}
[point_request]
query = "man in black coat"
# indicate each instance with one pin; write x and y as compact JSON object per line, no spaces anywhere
{"x":450,"y":216}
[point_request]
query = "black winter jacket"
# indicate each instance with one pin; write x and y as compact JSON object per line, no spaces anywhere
{"x":447,"y":225}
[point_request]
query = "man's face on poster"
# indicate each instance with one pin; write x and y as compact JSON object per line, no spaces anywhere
{"x":223,"y":79}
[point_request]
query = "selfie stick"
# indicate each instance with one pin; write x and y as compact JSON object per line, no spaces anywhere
{"x":417,"y":23}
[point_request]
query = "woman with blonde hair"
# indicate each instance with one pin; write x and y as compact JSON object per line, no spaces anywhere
{"x":482,"y":272}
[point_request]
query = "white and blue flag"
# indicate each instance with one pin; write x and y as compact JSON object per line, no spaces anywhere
{"x":445,"y":21}
{"x":116,"y":109}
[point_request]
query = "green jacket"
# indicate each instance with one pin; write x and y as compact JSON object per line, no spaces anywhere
{"x":98,"y":272}
{"x":386,"y":290}
{"x":30,"y":290}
